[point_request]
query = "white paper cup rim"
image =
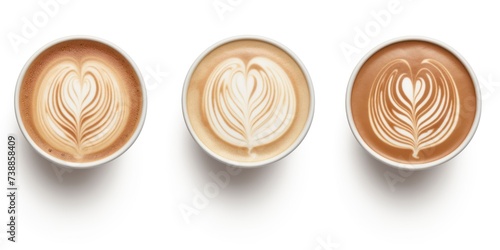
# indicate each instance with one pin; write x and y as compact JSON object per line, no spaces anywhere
{"x":70,"y":164}
{"x":417,"y":166}
{"x":275,"y":158}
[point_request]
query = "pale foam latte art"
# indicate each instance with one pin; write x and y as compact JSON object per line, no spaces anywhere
{"x":414,"y":110}
{"x":79,"y":106}
{"x":249,"y":104}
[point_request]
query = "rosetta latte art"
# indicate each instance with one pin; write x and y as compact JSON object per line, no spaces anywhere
{"x":414,"y":110}
{"x":249,"y":105}
{"x":79,"y":105}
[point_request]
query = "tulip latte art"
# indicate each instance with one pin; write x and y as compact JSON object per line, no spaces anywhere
{"x":249,"y":105}
{"x":247,"y":101}
{"x":82,"y":100}
{"x":413,"y":102}
{"x":414,"y":110}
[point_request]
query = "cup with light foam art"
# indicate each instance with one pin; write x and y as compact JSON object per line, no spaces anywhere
{"x":80,"y":101}
{"x":248,"y":101}
{"x":413,"y":103}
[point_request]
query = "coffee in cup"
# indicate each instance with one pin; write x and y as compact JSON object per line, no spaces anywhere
{"x":80,"y":101}
{"x":248,"y":101}
{"x":413,"y":103}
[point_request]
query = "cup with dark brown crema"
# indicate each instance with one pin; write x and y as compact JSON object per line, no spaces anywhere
{"x":80,"y":102}
{"x":413,"y":103}
{"x":248,"y":101}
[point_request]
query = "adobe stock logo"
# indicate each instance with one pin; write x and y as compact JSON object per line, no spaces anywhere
{"x":327,"y":243}
{"x":201,"y":198}
{"x":155,"y":76}
{"x":363,"y":35}
{"x":222,"y":7}
{"x":30,"y":27}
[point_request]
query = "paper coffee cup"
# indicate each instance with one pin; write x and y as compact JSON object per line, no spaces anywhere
{"x":80,"y":101}
{"x":413,"y":103}
{"x":248,"y":101}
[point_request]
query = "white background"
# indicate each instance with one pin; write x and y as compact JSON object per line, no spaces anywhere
{"x":329,"y":190}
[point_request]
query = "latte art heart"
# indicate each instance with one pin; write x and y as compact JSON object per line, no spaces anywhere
{"x":80,"y":105}
{"x":414,"y":110}
{"x":249,"y":104}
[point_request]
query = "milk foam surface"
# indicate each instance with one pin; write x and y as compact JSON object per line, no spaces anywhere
{"x":80,"y":100}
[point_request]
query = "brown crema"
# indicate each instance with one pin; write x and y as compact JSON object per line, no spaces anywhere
{"x":413,"y":102}
{"x":80,"y":100}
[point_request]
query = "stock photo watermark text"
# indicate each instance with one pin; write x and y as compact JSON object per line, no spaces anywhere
{"x":31,"y":25}
{"x":12,"y":192}
{"x":326,"y":243}
{"x":223,"y":7}
{"x":364,"y":33}
{"x":201,"y":198}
